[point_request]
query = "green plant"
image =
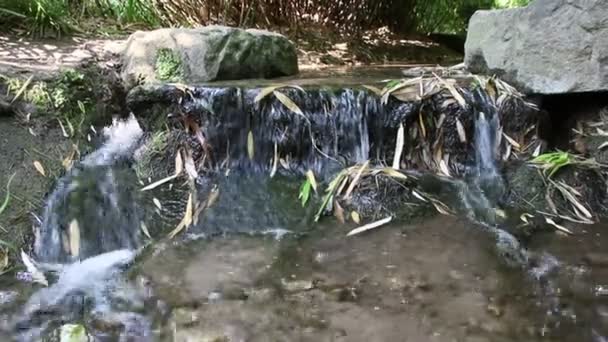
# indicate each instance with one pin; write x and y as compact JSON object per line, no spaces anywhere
{"x":168,"y":66}
{"x":552,"y":162}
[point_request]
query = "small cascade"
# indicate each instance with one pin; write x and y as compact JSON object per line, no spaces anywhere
{"x":95,"y":203}
{"x":335,"y":127}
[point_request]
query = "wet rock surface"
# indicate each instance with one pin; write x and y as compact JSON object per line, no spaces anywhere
{"x":548,"y":47}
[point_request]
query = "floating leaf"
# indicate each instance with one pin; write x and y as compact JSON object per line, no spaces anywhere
{"x":602,"y":146}
{"x":264,"y":92}
{"x":462,"y":135}
{"x":287,"y":102}
{"x":399,"y":147}
{"x":370,"y":226}
{"x":63,"y":131}
{"x":74,"y":238}
{"x":33,"y":270}
{"x":355,"y":217}
{"x":250,"y":145}
{"x":39,"y":168}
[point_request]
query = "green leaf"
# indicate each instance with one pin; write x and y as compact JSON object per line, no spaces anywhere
{"x":305,"y":192}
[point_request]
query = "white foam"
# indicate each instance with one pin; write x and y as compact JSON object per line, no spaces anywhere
{"x":121,"y":140}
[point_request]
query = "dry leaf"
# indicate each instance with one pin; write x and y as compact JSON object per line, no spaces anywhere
{"x":63,"y":131}
{"x":421,"y":124}
{"x":74,"y":238}
{"x":443,"y":167}
{"x":22,"y":89}
{"x":39,"y":168}
{"x":287,"y":102}
{"x":353,"y":184}
{"x":310,"y":176}
{"x":339,"y":212}
{"x":250,"y":146}
{"x":560,"y":228}
{"x":275,"y":161}
{"x":399,"y":147}
{"x":187,"y":220}
{"x":189,"y":211}
{"x":462,"y":135}
{"x":373,"y":89}
{"x":157,"y":203}
{"x":393,"y":173}
{"x":419,"y":196}
{"x":179,"y":168}
{"x":37,"y":276}
{"x":512,"y":141}
{"x":355,"y":217}
{"x":3,"y":260}
{"x":144,"y":229}
{"x":189,"y":165}
{"x":370,"y":226}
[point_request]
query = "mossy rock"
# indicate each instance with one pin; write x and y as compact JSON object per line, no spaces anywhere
{"x":169,"y":66}
{"x":206,"y":54}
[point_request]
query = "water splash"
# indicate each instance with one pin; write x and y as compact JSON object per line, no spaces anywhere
{"x":100,"y":196}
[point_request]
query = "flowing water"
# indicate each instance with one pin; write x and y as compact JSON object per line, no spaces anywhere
{"x":256,"y":268}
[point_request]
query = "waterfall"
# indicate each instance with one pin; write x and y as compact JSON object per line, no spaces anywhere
{"x":96,"y":200}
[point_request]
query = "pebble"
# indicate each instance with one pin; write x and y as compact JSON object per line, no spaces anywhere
{"x":297,"y":285}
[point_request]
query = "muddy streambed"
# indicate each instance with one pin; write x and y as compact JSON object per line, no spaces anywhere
{"x":436,"y":279}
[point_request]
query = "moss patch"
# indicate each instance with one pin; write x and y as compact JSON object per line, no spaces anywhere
{"x":168,"y":66}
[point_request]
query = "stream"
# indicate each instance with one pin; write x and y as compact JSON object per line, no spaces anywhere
{"x":256,"y":267}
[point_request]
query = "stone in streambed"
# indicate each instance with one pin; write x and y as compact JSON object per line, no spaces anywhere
{"x":548,"y":47}
{"x":206,"y":54}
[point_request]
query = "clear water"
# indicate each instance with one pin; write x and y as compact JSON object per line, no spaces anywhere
{"x":256,"y":268}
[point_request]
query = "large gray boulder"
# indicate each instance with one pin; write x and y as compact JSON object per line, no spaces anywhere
{"x":206,"y":54}
{"x":548,"y":47}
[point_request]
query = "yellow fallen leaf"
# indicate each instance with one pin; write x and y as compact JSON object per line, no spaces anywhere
{"x":355,"y":217}
{"x":74,"y":237}
{"x":39,"y":168}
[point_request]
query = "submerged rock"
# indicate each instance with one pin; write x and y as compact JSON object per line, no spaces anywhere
{"x":548,"y":47}
{"x":207,"y":54}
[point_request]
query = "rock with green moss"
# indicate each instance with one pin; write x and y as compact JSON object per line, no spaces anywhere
{"x":206,"y":54}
